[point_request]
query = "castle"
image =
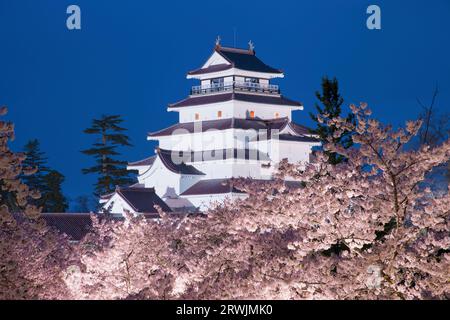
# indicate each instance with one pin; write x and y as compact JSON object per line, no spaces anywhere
{"x":234,"y":123}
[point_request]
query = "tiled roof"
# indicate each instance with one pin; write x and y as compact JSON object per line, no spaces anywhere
{"x":221,"y":186}
{"x":293,"y":184}
{"x":142,"y":200}
{"x":106,"y":196}
{"x":245,"y":60}
{"x":299,"y":129}
{"x":290,"y":137}
{"x":212,"y":186}
{"x":211,"y":69}
{"x":223,"y":124}
{"x":237,"y":58}
{"x":75,"y":225}
{"x":253,"y":98}
{"x":145,"y":162}
{"x":182,"y":168}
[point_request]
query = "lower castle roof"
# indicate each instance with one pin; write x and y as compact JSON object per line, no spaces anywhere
{"x":222,"y":186}
{"x":143,"y":200}
{"x":181,"y":168}
{"x":253,"y":98}
{"x":229,"y":123}
{"x":145,"y":162}
{"x":212,"y":186}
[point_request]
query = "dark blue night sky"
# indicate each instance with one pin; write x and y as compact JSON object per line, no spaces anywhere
{"x":131,"y":57}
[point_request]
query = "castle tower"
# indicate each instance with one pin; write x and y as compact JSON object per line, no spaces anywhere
{"x":234,"y":123}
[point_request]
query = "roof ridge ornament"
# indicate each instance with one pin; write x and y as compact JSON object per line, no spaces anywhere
{"x":251,"y":46}
{"x":218,"y":39}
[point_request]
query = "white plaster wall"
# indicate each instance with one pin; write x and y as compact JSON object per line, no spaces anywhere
{"x":236,"y":109}
{"x":294,"y":151}
{"x":187,"y":181}
{"x":206,"y":201}
{"x":214,"y":140}
{"x":165,"y":181}
{"x":208,"y":112}
{"x":241,"y":109}
{"x":228,"y":80}
{"x":214,"y":59}
{"x":215,"y":169}
{"x":237,"y":73}
{"x":160,"y":178}
{"x":210,"y":140}
{"x":232,"y":168}
{"x":249,"y":169}
{"x":118,"y":205}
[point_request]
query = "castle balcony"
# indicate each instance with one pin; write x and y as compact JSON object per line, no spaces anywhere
{"x":236,"y":87}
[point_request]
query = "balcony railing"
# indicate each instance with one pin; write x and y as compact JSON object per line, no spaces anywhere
{"x":235,"y":86}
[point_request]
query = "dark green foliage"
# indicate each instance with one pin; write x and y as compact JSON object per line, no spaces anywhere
{"x":330,"y":108}
{"x":85,"y":204}
{"x":46,"y":180}
{"x":8,"y":199}
{"x":35,"y":158}
{"x":435,"y":129}
{"x":111,"y":172}
{"x":52,"y":195}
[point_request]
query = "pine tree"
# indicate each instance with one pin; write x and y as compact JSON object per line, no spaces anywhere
{"x":37,"y":159}
{"x":111,"y":171}
{"x":331,"y":102}
{"x":45,"y":180}
{"x":84,"y":203}
{"x":53,"y":199}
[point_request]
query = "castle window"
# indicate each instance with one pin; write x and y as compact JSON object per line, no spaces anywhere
{"x":197,"y":116}
{"x":219,"y":114}
{"x":251,"y":80}
{"x":217,"y":82}
{"x":252,"y":114}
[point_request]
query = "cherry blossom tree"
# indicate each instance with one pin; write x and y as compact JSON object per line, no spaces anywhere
{"x":366,"y":228}
{"x":361,"y":229}
{"x":131,"y":257}
{"x":32,"y":256}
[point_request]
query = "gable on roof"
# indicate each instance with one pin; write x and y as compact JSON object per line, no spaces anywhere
{"x":245,"y":60}
{"x":166,"y":158}
{"x":216,"y":59}
{"x":224,"y":58}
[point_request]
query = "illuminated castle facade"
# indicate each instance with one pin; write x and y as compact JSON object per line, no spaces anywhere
{"x":235,"y":123}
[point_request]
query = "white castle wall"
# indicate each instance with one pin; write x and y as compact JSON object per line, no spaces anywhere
{"x":210,"y":140}
{"x":232,"y":168}
{"x":117,"y":205}
{"x":293,"y":151}
{"x":203,"y":202}
{"x":165,"y":181}
{"x":208,"y":112}
{"x":168,"y":185}
{"x":236,"y":109}
{"x":241,"y":109}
